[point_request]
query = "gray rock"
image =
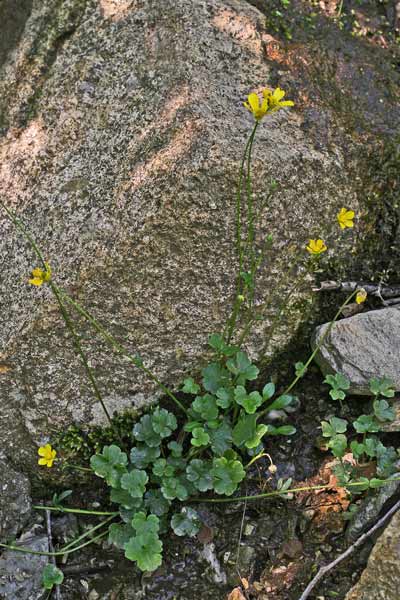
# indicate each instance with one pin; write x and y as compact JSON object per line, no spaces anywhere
{"x":122,"y":130}
{"x":15,"y":501}
{"x":21,"y":574}
{"x":369,"y":509}
{"x":361,"y":347}
{"x":380,"y":580}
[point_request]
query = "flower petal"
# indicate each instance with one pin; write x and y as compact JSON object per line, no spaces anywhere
{"x":254,"y":101}
{"x":278,"y":94}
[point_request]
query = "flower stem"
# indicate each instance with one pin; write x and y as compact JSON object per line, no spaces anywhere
{"x":25,"y":550}
{"x":117,"y":347}
{"x":318,"y":346}
{"x":82,"y":356}
{"x":230,"y":326}
{"x":90,"y":531}
{"x":275,"y":493}
{"x":77,"y":511}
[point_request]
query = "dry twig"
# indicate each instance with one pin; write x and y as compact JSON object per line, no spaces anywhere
{"x":350,"y":550}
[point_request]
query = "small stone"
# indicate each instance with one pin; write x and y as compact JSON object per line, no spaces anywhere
{"x":362,"y":347}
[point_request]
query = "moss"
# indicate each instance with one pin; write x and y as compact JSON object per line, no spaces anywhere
{"x":78,"y":443}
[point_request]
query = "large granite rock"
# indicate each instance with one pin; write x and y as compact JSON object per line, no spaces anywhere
{"x":15,"y":501}
{"x":361,"y":347}
{"x":122,"y":128}
{"x":380,"y":580}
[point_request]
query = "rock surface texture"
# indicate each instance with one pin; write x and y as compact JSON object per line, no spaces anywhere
{"x":380,"y":580}
{"x":21,"y":574}
{"x":122,"y":128}
{"x":362,"y":347}
{"x":15,"y":501}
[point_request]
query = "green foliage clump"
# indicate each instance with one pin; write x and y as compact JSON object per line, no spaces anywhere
{"x":361,"y":450}
{"x":169,"y":463}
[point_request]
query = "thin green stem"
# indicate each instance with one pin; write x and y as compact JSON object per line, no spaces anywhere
{"x":77,"y":511}
{"x":250,"y":216}
{"x":76,"y":467}
{"x":87,"y":533}
{"x":117,"y":347}
{"x":321,"y":341}
{"x":58,"y":553}
{"x":230,"y":326}
{"x":82,"y":356}
{"x":313,"y":354}
{"x":19,"y":225}
{"x":275,"y":493}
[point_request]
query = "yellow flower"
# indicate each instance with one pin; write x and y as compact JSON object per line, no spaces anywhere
{"x":275,"y":99}
{"x":316,"y":246}
{"x":361,"y":296}
{"x":39,"y":276}
{"x":271,"y":102}
{"x":48,"y":455}
{"x":345,"y":218}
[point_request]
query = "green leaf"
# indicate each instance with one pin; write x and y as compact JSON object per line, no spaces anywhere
{"x":144,"y":524}
{"x":387,"y":459}
{"x":337,"y":382}
{"x":300,"y":369}
{"x":120,"y":534}
{"x":220,"y":438}
{"x":192,"y":425}
{"x":134,"y":482}
{"x":206,"y":407}
{"x":145,"y":550}
{"x":338,"y":445}
{"x":161,"y":468}
{"x":57,"y":499}
{"x":224,"y":397}
{"x":250,"y":402}
{"x":186,"y":522}
{"x":282,"y":430}
{"x":337,"y":394}
{"x":382,"y":387}
{"x":244,"y":430}
{"x":372,"y":445}
{"x":190,"y":386}
{"x":51,"y":575}
{"x":163,"y":422}
{"x":110,"y":464}
{"x":199,"y":437}
{"x":281,"y":402}
{"x":366,"y":424}
{"x":144,"y":432}
{"x":268,"y":391}
{"x":226,"y":475}
{"x":176,"y":449}
{"x":383,"y":411}
{"x":357,"y":449}
{"x":142,"y":456}
{"x":173,"y":488}
{"x":214,"y":377}
{"x":242,"y":368}
{"x":217,"y":343}
{"x":198,"y":472}
{"x":256,"y":440}
{"x":333,"y":426}
{"x":156,"y":503}
{"x":124,"y":498}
